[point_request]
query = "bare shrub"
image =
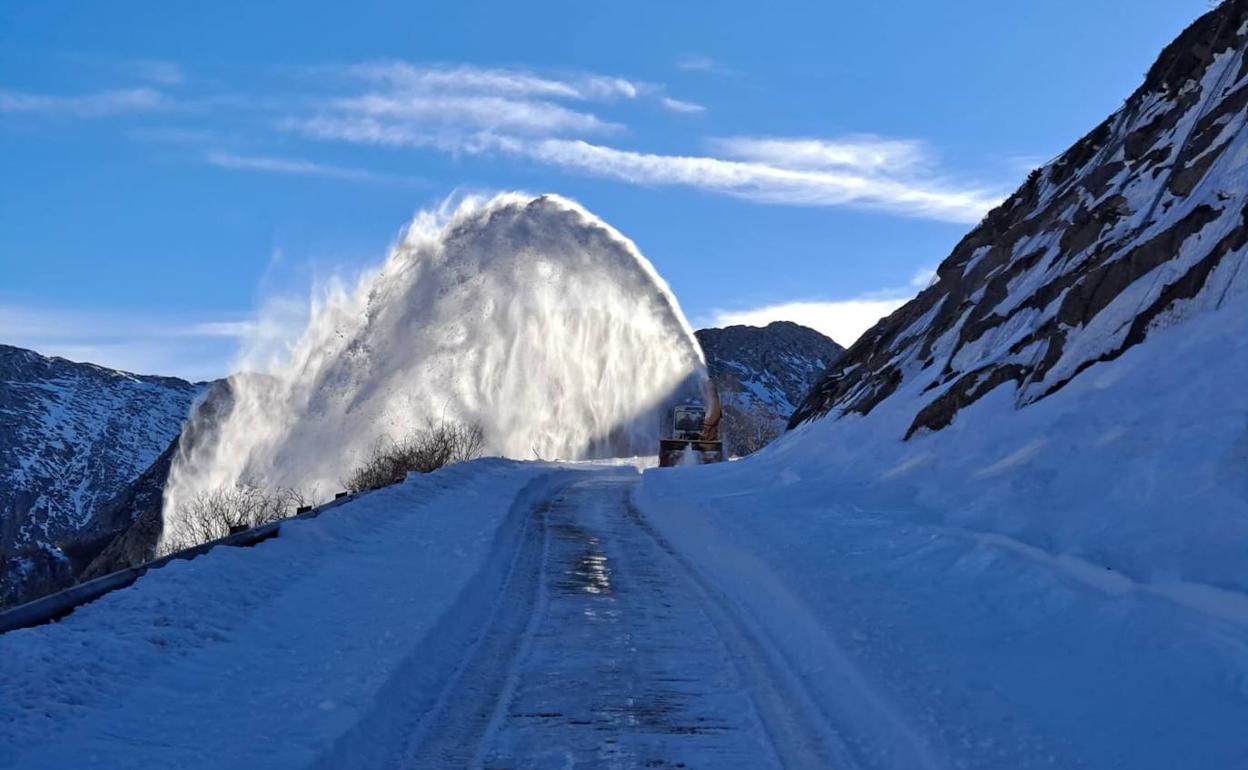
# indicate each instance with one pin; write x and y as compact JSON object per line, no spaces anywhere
{"x":212,"y":515}
{"x":422,"y":451}
{"x":749,"y":428}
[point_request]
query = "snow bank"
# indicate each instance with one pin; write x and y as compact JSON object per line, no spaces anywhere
{"x":1140,"y":464}
{"x":927,"y":645}
{"x":528,"y":316}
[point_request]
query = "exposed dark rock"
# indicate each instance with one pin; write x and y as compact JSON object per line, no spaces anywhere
{"x":778,"y":361}
{"x":763,"y":372}
{"x":136,"y":511}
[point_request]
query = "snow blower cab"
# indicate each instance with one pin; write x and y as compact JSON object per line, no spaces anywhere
{"x":693,"y":438}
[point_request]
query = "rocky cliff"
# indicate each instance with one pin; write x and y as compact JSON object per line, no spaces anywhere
{"x":1140,"y":225}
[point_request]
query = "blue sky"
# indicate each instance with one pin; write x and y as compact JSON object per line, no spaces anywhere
{"x":169,"y":167}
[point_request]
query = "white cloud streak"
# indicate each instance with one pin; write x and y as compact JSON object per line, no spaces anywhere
{"x":863,"y":186}
{"x":410,"y":78}
{"x":100,"y":104}
{"x":681,"y":106}
{"x":696,"y":63}
{"x":158,"y":71}
{"x":474,"y":112}
{"x":300,"y":167}
{"x":857,"y":152}
{"x":545,"y":119}
{"x":764,"y":182}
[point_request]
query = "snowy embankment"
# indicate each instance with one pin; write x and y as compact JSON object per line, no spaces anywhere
{"x":293,"y":628}
{"x":1062,"y":585}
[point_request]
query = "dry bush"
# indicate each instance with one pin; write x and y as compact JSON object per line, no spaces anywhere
{"x":211,"y":515}
{"x":422,"y":451}
{"x":750,"y":428}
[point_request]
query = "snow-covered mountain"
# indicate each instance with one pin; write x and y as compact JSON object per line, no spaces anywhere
{"x":72,"y":436}
{"x":1074,"y":381}
{"x":769,"y":368}
{"x":1138,"y":226}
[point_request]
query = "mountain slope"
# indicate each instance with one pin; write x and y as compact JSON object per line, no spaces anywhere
{"x":72,"y":435}
{"x":1074,"y":381}
{"x":1139,"y":225}
{"x":769,"y":368}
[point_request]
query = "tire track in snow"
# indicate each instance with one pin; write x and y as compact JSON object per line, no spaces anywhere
{"x":625,"y":669}
{"x":439,"y":702}
{"x":594,"y":643}
{"x":821,"y":711}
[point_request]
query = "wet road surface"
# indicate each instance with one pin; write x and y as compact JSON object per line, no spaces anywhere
{"x":624,"y":668}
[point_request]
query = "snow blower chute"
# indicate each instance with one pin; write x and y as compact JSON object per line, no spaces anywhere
{"x":694,"y":435}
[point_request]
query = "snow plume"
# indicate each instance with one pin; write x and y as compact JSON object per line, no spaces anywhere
{"x":529,"y":316}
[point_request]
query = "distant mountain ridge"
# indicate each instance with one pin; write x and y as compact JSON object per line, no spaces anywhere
{"x":762,"y":373}
{"x":770,"y":367}
{"x":72,"y":436}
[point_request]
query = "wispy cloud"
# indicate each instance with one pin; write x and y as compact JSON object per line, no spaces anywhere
{"x":843,"y":320}
{"x":473,"y":112}
{"x":161,"y":72}
{"x":175,"y":135}
{"x":863,"y":185}
{"x":679,"y":105}
{"x":95,"y":105}
{"x":854,"y":152}
{"x":556,"y":120}
{"x":300,"y":167}
{"x":132,"y":342}
{"x":158,"y":71}
{"x":767,"y":183}
{"x":696,"y":63}
{"x":499,"y":81}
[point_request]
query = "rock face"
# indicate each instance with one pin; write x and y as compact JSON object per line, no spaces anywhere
{"x":1139,"y":225}
{"x":140,"y":503}
{"x":762,"y":374}
{"x":72,"y":436}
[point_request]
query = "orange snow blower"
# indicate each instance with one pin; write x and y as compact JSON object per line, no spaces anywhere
{"x":694,"y":435}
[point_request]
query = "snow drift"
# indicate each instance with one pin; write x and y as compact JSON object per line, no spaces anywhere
{"x":528,"y":316}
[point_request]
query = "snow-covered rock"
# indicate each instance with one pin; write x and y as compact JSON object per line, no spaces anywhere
{"x":762,"y":373}
{"x":72,"y":436}
{"x":767,"y":367}
{"x":1138,"y":226}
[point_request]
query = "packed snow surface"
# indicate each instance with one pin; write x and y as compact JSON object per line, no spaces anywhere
{"x":528,"y":316}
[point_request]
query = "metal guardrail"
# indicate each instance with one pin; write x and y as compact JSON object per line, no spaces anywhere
{"x":53,"y":607}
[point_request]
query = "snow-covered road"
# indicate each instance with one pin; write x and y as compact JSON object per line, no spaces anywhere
{"x":503,"y":615}
{"x":526,"y":615}
{"x":600,"y":649}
